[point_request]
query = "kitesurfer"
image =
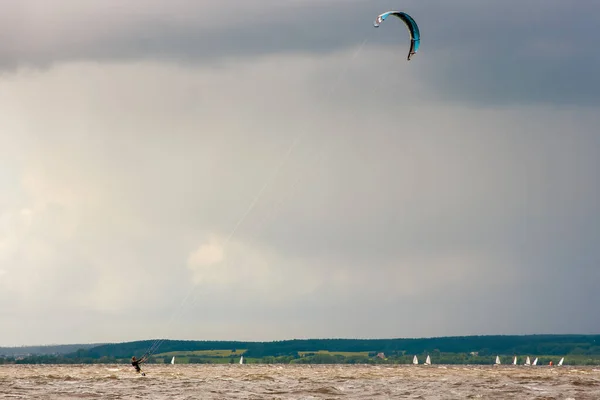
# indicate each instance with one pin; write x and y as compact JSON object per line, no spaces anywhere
{"x":136,"y":363}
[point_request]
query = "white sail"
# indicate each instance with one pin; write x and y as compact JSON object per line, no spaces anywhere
{"x":415,"y":360}
{"x":515,"y":361}
{"x":498,"y":360}
{"x":528,"y":361}
{"x":241,"y":359}
{"x":173,"y":360}
{"x":561,"y":361}
{"x":534,"y":361}
{"x":428,"y":361}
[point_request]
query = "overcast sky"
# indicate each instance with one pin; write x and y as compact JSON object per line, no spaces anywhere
{"x":276,"y":169}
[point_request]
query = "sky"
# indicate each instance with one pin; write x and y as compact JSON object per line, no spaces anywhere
{"x":277,"y":169}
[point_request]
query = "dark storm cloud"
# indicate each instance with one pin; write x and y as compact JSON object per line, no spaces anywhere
{"x":195,"y":33}
{"x":515,"y":52}
{"x":480,"y":52}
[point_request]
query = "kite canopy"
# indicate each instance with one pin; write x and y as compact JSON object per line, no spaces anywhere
{"x":413,"y":29}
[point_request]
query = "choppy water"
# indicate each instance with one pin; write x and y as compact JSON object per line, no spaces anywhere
{"x":297,"y":382}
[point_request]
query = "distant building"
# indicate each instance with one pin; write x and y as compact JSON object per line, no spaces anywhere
{"x":381,"y":355}
{"x":474,"y":353}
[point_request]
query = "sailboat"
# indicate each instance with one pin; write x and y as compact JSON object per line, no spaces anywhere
{"x":515,"y":361}
{"x":498,"y":360}
{"x":528,"y":361}
{"x":534,"y":361}
{"x":428,"y":361}
{"x":241,"y":359}
{"x":415,"y":360}
{"x":561,"y":362}
{"x":173,"y":360}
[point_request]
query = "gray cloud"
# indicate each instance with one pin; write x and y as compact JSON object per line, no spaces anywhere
{"x":492,"y":53}
{"x":126,"y":172}
{"x":513,"y":53}
{"x":181,"y":31}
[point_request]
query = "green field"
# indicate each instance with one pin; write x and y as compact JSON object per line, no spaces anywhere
{"x":335,"y":353}
{"x":203,"y":353}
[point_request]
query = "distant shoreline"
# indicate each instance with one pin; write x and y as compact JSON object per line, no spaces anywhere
{"x":475,"y":350}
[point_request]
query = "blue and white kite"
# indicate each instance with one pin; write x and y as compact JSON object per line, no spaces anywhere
{"x":413,"y":28}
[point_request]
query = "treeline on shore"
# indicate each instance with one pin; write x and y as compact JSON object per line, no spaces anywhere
{"x":577,"y":349}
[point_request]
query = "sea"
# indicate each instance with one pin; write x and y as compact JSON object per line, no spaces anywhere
{"x":256,"y":381}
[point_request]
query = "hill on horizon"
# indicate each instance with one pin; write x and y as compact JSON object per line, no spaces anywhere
{"x":484,"y":345}
{"x":49,"y":349}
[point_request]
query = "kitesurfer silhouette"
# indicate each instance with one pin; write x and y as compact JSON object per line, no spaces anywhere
{"x":136,"y":363}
